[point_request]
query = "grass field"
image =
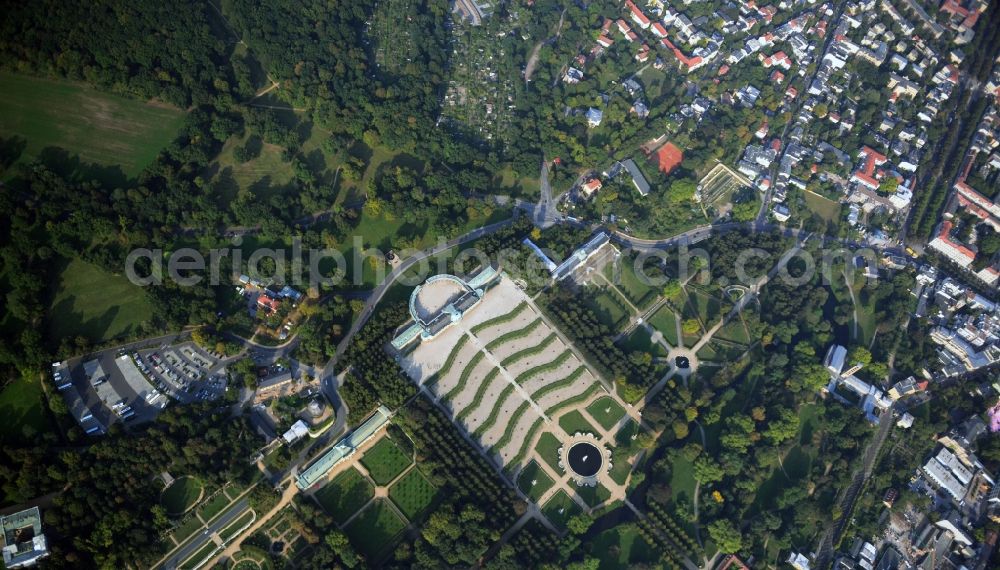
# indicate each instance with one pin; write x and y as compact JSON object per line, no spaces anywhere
{"x":236,"y":526}
{"x":413,"y":494}
{"x":548,"y":448}
{"x":707,"y":353}
{"x":181,"y":495}
{"x":250,"y":557}
{"x":93,"y":303}
{"x":620,"y":470}
{"x":343,"y":496}
{"x":374,"y":531}
{"x":560,"y":508}
{"x":823,"y":207}
{"x":665,"y":321}
{"x":93,"y":127}
{"x":682,"y":481}
{"x":734,"y":331}
{"x":594,"y":496}
{"x":641,"y":341}
{"x":609,"y":307}
{"x":606,"y":411}
{"x":385,"y":461}
{"x":197,"y":557}
{"x":707,"y":308}
{"x":574,"y":422}
{"x":533,"y":481}
{"x":187,"y":528}
{"x":624,"y":435}
{"x":629,"y":283}
{"x":214,"y":506}
{"x":22,"y":407}
{"x":622,"y":547}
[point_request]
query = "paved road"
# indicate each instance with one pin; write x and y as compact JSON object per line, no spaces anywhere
{"x":762,"y":214}
{"x":195,"y":543}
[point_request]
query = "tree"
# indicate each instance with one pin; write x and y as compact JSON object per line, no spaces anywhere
{"x":691,"y":326}
{"x":726,"y":536}
{"x":707,"y":470}
{"x":681,"y":191}
{"x":680,"y":429}
{"x":672,"y":290}
{"x":579,"y":524}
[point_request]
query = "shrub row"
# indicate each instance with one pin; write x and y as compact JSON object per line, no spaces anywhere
{"x":501,"y":319}
{"x":513,"y":335}
{"x":530,"y":351}
{"x":464,"y":377}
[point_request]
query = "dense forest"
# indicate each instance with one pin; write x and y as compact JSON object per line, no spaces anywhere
{"x":107,"y":512}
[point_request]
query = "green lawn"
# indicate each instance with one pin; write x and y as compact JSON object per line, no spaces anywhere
{"x":630,"y":283}
{"x":622,"y":547}
{"x":734,"y":331}
{"x":626,"y":432}
{"x":707,"y":307}
{"x":548,"y":448}
{"x":560,"y":508}
{"x":22,"y":407}
{"x":265,"y":176}
{"x":385,"y":461}
{"x":574,"y":422}
{"x":594,"y":496}
{"x":197,"y":557}
{"x":375,"y":530}
{"x":234,"y":527}
{"x":682,"y":481}
{"x":665,"y":321}
{"x":93,"y":127}
{"x":620,"y":470}
{"x":187,"y":528}
{"x":533,"y":481}
{"x":707,"y":353}
{"x":609,"y":307}
{"x":214,"y":506}
{"x":93,"y":303}
{"x":823,"y":207}
{"x":641,"y":341}
{"x":413,"y":494}
{"x":606,"y":411}
{"x":808,"y":421}
{"x":509,"y":183}
{"x":343,"y":496}
{"x":181,"y":495}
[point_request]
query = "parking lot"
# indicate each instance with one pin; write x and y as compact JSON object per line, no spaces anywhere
{"x":121,"y":386}
{"x":185,"y":372}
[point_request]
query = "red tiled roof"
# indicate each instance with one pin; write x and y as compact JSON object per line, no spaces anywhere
{"x":268,"y":303}
{"x":690,"y":62}
{"x":637,"y":13}
{"x":945,"y":236}
{"x":668,"y":157}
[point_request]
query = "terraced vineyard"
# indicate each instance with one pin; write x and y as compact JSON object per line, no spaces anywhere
{"x":503,"y":372}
